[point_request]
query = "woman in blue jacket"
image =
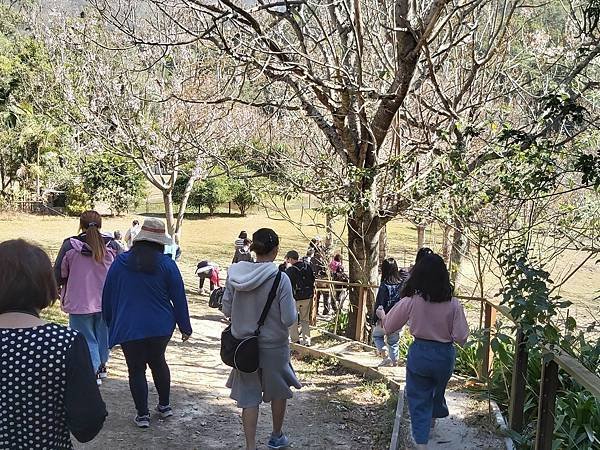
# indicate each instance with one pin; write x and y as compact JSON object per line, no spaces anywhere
{"x":143,"y":299}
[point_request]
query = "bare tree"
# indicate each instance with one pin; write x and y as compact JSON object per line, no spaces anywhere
{"x":138,"y":114}
{"x":355,"y":68}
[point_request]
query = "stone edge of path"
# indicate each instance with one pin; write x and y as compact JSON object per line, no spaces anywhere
{"x":398,"y":388}
{"x":501,"y":423}
{"x":367,"y":372}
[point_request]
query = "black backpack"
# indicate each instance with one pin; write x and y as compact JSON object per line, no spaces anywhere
{"x":304,"y":285}
{"x":216,"y":298}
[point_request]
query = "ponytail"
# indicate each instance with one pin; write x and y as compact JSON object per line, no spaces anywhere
{"x":91,"y":222}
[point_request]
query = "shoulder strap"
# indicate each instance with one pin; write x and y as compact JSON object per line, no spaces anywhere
{"x":270,"y":299}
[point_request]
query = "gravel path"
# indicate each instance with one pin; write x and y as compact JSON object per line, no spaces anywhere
{"x":334,"y":409}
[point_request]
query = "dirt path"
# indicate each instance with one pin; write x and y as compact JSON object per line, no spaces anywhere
{"x":467,"y":428}
{"x":334,"y":410}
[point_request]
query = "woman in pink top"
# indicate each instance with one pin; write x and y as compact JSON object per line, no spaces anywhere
{"x":437,"y":320}
{"x":80,"y":270}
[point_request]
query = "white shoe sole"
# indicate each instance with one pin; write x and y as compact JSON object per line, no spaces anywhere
{"x":166,"y":414}
{"x":141,"y":425}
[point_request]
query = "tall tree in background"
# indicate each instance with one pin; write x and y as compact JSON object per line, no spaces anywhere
{"x":36,"y":152}
{"x":137,"y":114}
{"x":394,"y":87}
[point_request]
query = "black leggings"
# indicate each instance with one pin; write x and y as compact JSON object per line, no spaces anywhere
{"x":201,"y":283}
{"x":151,"y":352}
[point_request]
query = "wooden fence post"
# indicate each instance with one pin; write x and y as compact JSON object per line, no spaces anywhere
{"x":314,"y":306}
{"x":488,"y":353}
{"x":518,"y":385}
{"x":360,"y":320}
{"x":546,"y":410}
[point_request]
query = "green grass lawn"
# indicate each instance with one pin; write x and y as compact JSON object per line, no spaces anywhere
{"x":212,"y":238}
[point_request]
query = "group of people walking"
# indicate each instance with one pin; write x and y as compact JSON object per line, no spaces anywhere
{"x":49,"y":374}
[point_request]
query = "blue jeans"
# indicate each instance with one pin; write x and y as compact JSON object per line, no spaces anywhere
{"x":95,"y":331}
{"x":429,"y":366}
{"x":379,"y":338}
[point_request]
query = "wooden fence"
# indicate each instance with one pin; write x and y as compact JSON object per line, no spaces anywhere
{"x":555,"y":360}
{"x":37,"y":207}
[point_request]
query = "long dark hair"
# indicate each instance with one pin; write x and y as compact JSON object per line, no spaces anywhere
{"x":430,"y":279}
{"x":423,"y":251}
{"x":145,"y":256}
{"x":90,"y":223}
{"x":389,"y":272}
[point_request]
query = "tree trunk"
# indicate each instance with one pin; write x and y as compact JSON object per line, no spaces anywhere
{"x":459,"y":248}
{"x":169,"y":213}
{"x":446,"y":243}
{"x":328,"y":231}
{"x":383,"y":244}
{"x":182,"y":207}
{"x":420,"y":236}
{"x":363,"y":244}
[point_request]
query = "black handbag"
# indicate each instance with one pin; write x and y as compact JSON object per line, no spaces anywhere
{"x":216,"y":298}
{"x":242,"y":354}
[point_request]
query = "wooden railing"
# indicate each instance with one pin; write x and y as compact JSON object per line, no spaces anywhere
{"x":555,"y":359}
{"x":324,"y":285}
{"x":38,"y":207}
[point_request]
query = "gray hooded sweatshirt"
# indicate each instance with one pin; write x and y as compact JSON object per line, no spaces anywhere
{"x":246,"y":291}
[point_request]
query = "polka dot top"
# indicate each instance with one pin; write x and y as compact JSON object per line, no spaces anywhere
{"x":47,"y":388}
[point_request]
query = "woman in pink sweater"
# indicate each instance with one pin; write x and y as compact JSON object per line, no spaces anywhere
{"x":437,"y":320}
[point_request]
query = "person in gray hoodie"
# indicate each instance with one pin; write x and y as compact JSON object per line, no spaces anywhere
{"x":246,"y":291}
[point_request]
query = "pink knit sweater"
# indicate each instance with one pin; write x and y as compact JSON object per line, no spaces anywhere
{"x":442,"y":322}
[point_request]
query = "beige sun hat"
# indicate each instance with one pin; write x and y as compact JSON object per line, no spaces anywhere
{"x":153,"y":230}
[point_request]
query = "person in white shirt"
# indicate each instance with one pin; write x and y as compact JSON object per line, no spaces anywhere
{"x":132,"y":233}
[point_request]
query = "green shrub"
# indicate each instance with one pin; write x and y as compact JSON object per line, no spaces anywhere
{"x":113,"y":179}
{"x":78,"y":200}
{"x":211,"y":193}
{"x":244,"y":195}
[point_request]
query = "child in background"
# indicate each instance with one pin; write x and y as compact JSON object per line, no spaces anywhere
{"x":243,"y":253}
{"x":118,"y":237}
{"x":336,"y":264}
{"x":437,"y":320}
{"x":387,"y":296}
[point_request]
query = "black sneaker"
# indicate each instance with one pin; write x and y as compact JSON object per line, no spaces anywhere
{"x":142,"y":421}
{"x":164,"y":411}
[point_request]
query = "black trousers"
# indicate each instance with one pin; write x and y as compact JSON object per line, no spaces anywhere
{"x":201,"y":282}
{"x":147,"y":352}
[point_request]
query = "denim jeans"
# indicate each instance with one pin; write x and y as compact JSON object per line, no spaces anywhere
{"x":95,"y":331}
{"x":428,"y":368}
{"x":380,"y":338}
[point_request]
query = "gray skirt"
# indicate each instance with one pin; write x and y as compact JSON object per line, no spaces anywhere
{"x":272,"y":381}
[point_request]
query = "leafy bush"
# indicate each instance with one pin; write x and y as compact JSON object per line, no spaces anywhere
{"x":113,"y":179}
{"x":528,"y":293}
{"x":245,"y":195}
{"x":211,"y":193}
{"x":339,"y":324}
{"x":78,"y":200}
